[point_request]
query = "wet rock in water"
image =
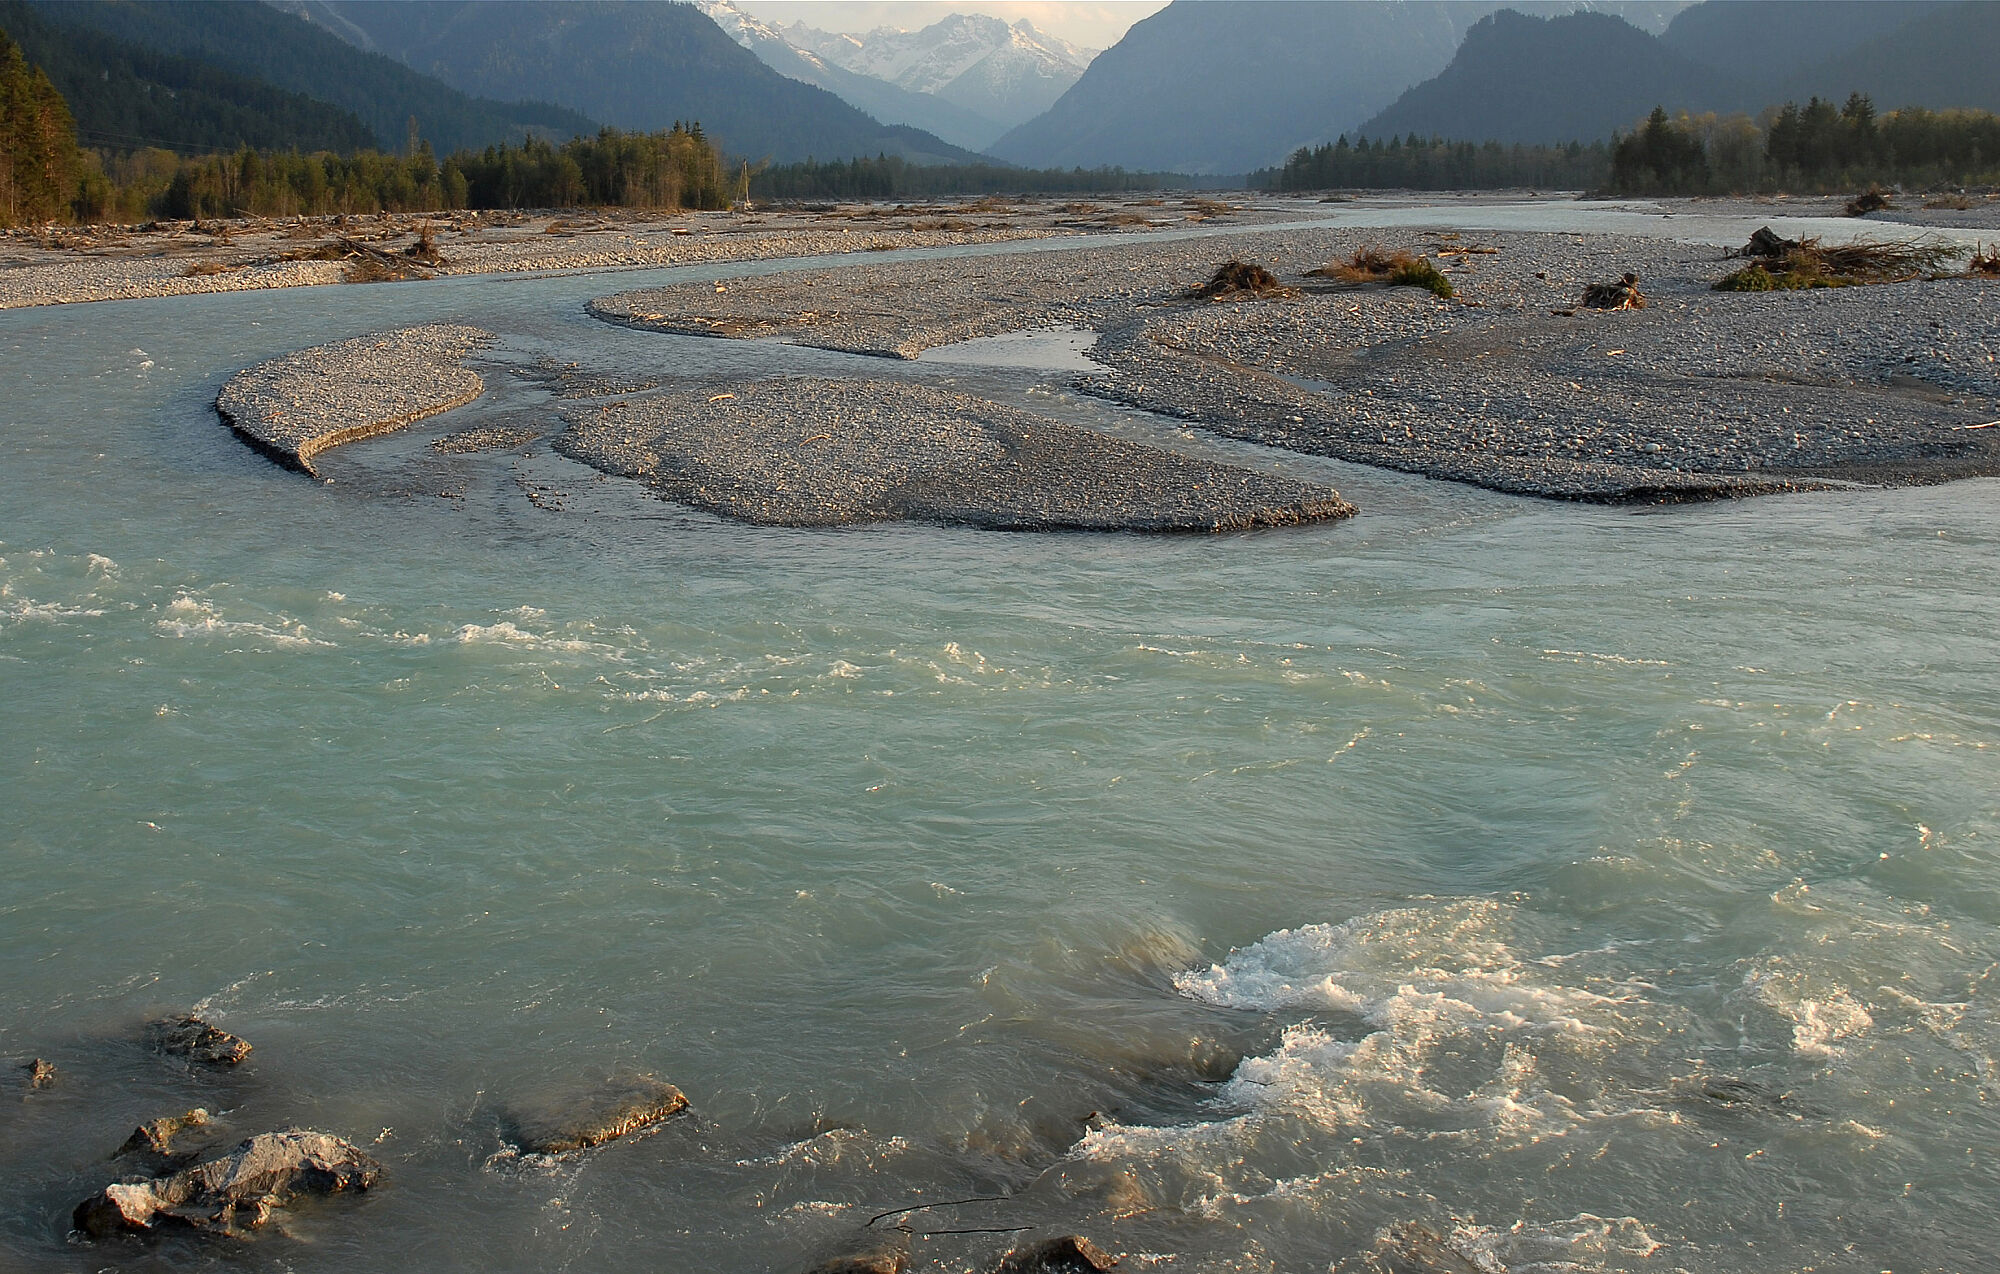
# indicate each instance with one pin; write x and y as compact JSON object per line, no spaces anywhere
{"x":157,"y":1136}
{"x":41,"y":1074}
{"x":1070,"y":1254}
{"x":196,"y":1040}
{"x":1416,"y":1248}
{"x":236,"y":1192}
{"x":891,"y":1257}
{"x":811,"y":452}
{"x":612,"y":1110}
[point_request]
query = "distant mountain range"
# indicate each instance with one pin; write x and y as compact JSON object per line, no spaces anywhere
{"x":1584,"y":76}
{"x":1009,"y":74}
{"x":968,"y":78}
{"x":1224,"y":86}
{"x":889,"y":103}
{"x":631,"y":63}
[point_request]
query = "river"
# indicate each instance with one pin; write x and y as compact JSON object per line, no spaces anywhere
{"x":1607,"y":886}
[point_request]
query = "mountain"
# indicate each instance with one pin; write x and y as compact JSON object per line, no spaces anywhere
{"x":887,"y":102}
{"x":631,"y":63}
{"x":1585,"y":76}
{"x":124,"y":96}
{"x":1941,"y":58}
{"x":1765,"y":39}
{"x":257,"y":42}
{"x":1578,"y":76}
{"x":1006,"y":73}
{"x":1225,"y":86}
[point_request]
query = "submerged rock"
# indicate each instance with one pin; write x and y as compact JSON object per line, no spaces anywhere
{"x":157,"y":1136}
{"x":810,"y":452}
{"x":1415,"y":1248}
{"x":615,"y":1109}
{"x":892,"y":1257}
{"x":236,"y":1192}
{"x":196,"y":1040}
{"x":1070,"y":1254}
{"x":41,"y":1074}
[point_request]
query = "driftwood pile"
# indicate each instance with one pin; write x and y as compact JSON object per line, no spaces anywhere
{"x":1242,"y":280}
{"x":1778,"y":264}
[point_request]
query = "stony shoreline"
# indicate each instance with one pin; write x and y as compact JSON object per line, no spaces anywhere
{"x":296,"y":406}
{"x":68,"y":265}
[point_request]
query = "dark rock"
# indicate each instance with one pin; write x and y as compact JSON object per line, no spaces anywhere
{"x":41,"y":1074}
{"x":236,"y":1192}
{"x":620,"y":1106}
{"x":1070,"y":1254}
{"x":157,"y":1136}
{"x":884,"y":1258}
{"x":196,"y":1040}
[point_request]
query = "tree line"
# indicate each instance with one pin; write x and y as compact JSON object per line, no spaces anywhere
{"x":1433,"y":163}
{"x":1815,"y":148}
{"x":893,"y":177}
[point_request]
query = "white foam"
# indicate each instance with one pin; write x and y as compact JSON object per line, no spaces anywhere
{"x":1821,"y":1013}
{"x":507,"y":633}
{"x":188,"y":616}
{"x":1456,"y":1036}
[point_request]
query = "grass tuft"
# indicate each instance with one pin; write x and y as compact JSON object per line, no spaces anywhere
{"x":1394,"y":269}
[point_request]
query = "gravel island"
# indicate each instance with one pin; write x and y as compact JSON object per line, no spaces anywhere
{"x":820,"y":452}
{"x":296,"y":406}
{"x":1510,"y":384}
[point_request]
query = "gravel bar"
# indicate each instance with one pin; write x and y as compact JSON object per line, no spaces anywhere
{"x":1509,"y":386}
{"x":820,"y":452}
{"x":296,"y":406}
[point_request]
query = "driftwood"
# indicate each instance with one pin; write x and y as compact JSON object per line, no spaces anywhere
{"x":1235,"y":280}
{"x":1869,"y":200}
{"x":1622,"y":295}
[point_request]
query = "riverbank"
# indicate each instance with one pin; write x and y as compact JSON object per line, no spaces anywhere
{"x":66,"y":265}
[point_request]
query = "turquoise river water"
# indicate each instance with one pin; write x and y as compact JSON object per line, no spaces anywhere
{"x":1598,"y":889}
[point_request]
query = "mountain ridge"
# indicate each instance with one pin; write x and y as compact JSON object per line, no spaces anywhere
{"x":632,"y":64}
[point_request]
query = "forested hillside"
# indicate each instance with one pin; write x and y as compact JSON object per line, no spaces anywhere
{"x":125,"y":96}
{"x":260,"y":42}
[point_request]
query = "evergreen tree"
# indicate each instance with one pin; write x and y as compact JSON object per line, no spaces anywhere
{"x":39,"y":164}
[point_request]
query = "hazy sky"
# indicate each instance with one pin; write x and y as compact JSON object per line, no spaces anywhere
{"x":1095,"y":24}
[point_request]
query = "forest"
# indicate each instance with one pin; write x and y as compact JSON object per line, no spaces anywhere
{"x":1811,"y":149}
{"x":1420,"y":163}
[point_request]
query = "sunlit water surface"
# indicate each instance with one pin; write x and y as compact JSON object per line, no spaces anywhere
{"x":1603,"y":886}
